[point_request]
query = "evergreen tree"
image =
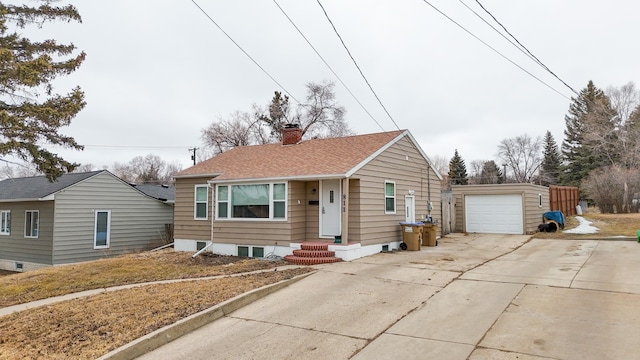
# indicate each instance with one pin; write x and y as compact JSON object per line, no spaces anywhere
{"x":582,"y":152}
{"x":457,"y":170}
{"x":550,"y":169}
{"x":491,"y":173}
{"x":31,"y":113}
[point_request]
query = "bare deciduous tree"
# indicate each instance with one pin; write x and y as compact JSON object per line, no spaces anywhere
{"x":523,"y":155}
{"x":441,"y":164}
{"x":319,"y":117}
{"x":612,"y":188}
{"x":150,"y":169}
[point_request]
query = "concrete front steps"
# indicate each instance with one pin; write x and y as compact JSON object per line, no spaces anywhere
{"x":313,"y":253}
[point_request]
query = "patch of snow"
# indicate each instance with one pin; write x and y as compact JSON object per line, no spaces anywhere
{"x":583,"y":228}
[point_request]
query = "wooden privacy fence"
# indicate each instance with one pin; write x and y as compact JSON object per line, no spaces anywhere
{"x":564,"y":198}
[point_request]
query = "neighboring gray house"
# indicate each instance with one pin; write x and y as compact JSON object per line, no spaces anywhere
{"x":79,"y":217}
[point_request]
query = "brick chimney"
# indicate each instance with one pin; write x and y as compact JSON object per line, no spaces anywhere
{"x":291,"y":134}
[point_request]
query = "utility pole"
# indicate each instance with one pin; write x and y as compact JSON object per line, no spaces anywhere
{"x":193,"y":156}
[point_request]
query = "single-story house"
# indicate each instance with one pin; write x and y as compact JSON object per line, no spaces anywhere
{"x":499,"y":208}
{"x":78,"y":217}
{"x":269,"y":199}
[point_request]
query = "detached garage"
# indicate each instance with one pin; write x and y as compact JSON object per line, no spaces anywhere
{"x":500,"y":208}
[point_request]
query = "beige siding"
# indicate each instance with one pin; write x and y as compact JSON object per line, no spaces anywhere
{"x":403,"y":164}
{"x":532,"y":212}
{"x":137,"y":221}
{"x":312,"y":221}
{"x":355,"y":205}
{"x":297,"y":205}
{"x":15,"y":246}
{"x":185,"y":226}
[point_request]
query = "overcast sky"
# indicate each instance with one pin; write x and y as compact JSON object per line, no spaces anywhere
{"x":158,"y":72}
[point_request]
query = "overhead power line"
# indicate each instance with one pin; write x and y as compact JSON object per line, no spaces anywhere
{"x":328,"y":66}
{"x":243,"y":51}
{"x":357,"y":66}
{"x":525,"y":48}
{"x":495,"y":50}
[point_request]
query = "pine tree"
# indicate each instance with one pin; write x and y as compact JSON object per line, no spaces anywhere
{"x":581,"y":151}
{"x":457,"y":170}
{"x":550,"y":169}
{"x":31,"y":113}
{"x":491,"y":173}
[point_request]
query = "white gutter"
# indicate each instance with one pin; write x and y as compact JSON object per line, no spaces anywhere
{"x":282,"y":178}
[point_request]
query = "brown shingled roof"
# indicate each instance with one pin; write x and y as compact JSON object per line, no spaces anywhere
{"x":317,"y":157}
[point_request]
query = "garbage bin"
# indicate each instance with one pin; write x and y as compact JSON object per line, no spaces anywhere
{"x":412,"y":235}
{"x":429,"y":234}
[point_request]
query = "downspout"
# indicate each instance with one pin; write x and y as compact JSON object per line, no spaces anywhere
{"x":213,"y":203}
{"x":202,"y":250}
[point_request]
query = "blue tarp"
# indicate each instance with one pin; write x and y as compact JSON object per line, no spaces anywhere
{"x":556,"y":216}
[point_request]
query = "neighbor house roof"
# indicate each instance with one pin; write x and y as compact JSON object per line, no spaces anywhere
{"x":39,"y":187}
{"x":161,"y":192}
{"x":310,"y":158}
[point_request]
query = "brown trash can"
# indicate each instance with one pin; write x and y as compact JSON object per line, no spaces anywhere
{"x":429,"y":234}
{"x":412,"y":235}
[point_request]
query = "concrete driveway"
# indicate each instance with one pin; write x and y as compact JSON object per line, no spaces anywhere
{"x":472,"y":297}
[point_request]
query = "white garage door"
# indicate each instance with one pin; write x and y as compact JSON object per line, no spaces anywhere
{"x":494,"y":214}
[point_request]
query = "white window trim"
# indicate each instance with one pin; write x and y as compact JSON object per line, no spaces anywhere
{"x":95,"y":225}
{"x":195,"y":203}
{"x":271,"y":202}
{"x":217,"y":202}
{"x":25,"y":224}
{"x":395,"y":198}
{"x":6,"y":214}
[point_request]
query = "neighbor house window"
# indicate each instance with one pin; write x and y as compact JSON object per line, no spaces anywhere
{"x":5,"y":222}
{"x":201,"y":202}
{"x":102,"y":229}
{"x":389,"y":197}
{"x":31,"y":223}
{"x":254,"y":201}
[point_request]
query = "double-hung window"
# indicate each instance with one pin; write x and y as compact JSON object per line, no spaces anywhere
{"x":389,"y":197}
{"x":252,"y":201}
{"x":102,"y":229}
{"x":31,"y":223}
{"x":5,"y":222}
{"x":201,"y":202}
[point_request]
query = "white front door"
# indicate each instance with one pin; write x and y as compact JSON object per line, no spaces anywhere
{"x":410,"y":208}
{"x":330,"y":203}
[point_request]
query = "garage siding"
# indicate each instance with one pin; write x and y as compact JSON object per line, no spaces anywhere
{"x":535,"y":202}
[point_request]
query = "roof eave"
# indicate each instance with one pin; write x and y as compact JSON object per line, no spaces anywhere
{"x":279,"y":178}
{"x":191,"y":176}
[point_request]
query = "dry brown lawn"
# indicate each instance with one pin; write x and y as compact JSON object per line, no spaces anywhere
{"x":127,"y":269}
{"x":89,"y":327}
{"x":609,"y":225}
